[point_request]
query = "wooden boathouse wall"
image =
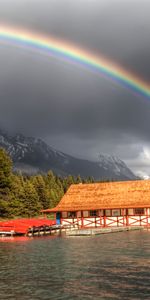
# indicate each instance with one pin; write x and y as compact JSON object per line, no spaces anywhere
{"x":106,"y":221}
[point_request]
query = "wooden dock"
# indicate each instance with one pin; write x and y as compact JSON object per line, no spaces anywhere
{"x":99,"y":231}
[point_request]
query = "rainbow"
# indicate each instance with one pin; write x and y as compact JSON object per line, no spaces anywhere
{"x":71,"y":53}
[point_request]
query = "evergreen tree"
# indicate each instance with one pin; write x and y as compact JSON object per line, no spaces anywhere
{"x":31,"y":203}
{"x":4,"y":205}
{"x":17,"y":196}
{"x":78,"y":180}
{"x":5,"y":170}
{"x":5,"y":182}
{"x":42,"y":191}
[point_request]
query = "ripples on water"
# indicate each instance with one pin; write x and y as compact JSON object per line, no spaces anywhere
{"x":112,"y":266}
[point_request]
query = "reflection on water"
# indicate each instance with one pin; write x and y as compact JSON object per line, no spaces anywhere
{"x":14,"y":239}
{"x":112,"y":266}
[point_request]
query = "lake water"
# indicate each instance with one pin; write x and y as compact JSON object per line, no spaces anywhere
{"x":110,"y":266}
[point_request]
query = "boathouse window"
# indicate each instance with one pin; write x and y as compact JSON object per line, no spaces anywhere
{"x":85,"y":214}
{"x":93,"y":213}
{"x":71,"y":214}
{"x":64,"y":214}
{"x":115,"y":212}
{"x":139,"y":211}
{"x":130,"y":212}
{"x":107,"y":212}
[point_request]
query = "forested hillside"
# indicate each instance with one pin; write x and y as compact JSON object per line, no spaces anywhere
{"x":25,"y":196}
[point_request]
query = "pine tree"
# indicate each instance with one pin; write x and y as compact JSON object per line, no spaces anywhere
{"x":5,"y":183}
{"x":17,"y":196}
{"x":78,"y":180}
{"x":42,"y":191}
{"x":5,"y":170}
{"x":31,"y":203}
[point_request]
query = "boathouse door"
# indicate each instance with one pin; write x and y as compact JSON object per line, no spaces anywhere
{"x":58,"y":215}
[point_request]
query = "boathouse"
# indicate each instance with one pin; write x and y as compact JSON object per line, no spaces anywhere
{"x":125,"y":203}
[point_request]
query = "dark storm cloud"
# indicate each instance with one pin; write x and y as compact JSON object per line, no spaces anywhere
{"x":74,"y":109}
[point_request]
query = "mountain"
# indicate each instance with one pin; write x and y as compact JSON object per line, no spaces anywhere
{"x":115,"y":167}
{"x":31,"y":155}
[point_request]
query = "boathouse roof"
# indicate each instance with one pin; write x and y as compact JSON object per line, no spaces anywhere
{"x":107,"y":195}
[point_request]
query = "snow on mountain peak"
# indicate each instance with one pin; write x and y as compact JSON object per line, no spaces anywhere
{"x":114,"y":164}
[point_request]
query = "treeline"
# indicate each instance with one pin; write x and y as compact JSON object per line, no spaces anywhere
{"x":25,"y":196}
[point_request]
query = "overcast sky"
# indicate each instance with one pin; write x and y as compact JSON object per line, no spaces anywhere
{"x":72,"y":109}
